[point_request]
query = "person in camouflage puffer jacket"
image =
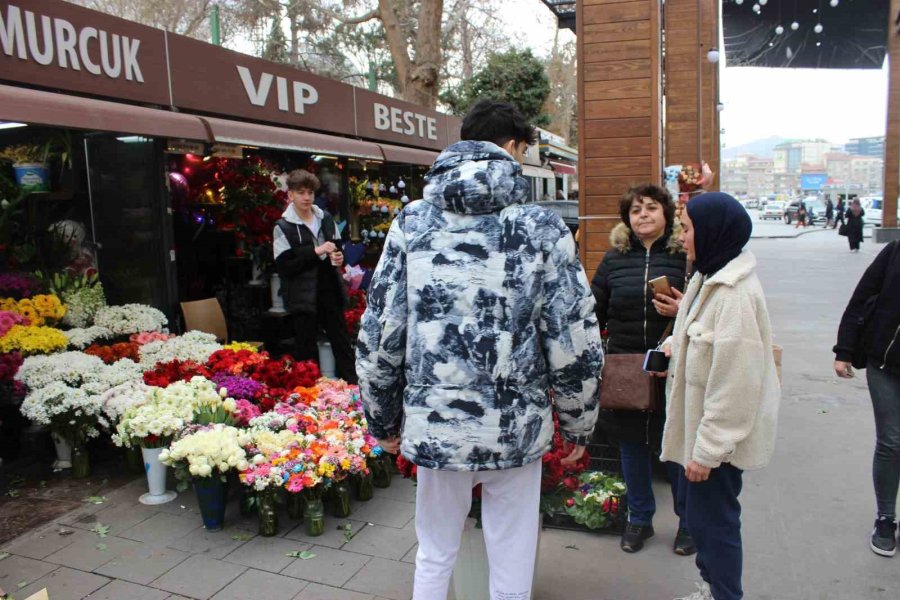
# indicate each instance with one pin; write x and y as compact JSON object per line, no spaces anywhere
{"x":478,"y":308}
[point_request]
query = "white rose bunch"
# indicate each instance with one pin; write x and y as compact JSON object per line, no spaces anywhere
{"x":219,"y":448}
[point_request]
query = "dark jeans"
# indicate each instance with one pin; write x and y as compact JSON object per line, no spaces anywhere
{"x":330,"y":316}
{"x":884,"y":387}
{"x":637,"y":469}
{"x":714,"y":520}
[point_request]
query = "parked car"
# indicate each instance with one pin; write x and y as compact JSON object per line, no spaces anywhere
{"x":874,"y":207}
{"x":774,"y":209}
{"x":815,"y":210}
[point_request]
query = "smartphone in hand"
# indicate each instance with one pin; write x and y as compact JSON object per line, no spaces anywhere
{"x":660,"y":285}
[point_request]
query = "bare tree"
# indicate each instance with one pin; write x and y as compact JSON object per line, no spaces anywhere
{"x":187,"y":17}
{"x":562,"y":103}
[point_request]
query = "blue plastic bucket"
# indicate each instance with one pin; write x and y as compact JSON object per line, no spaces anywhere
{"x":32,"y":177}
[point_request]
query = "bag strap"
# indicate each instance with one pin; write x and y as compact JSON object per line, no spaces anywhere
{"x":666,"y":332}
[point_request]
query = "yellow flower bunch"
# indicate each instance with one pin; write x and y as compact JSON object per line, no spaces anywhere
{"x":237,"y":346}
{"x":40,"y":310}
{"x":31,"y":339}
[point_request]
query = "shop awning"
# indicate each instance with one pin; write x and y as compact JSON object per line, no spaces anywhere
{"x":410,"y":156}
{"x":564,"y":168}
{"x":264,"y":136}
{"x":56,"y":110}
{"x":530,"y":171}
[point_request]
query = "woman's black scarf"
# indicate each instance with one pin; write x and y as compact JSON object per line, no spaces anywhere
{"x":722,"y":228}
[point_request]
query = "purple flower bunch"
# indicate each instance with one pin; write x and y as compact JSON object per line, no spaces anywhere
{"x":239,"y":388}
{"x":9,"y":365}
{"x":8,"y":319}
{"x":18,"y":285}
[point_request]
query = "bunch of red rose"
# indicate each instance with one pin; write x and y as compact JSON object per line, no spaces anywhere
{"x":554,"y":473}
{"x":353,"y":314}
{"x":236,"y":362}
{"x":9,"y":365}
{"x":115,"y":352}
{"x":167,"y":373}
{"x":407,"y":468}
{"x":277,"y":376}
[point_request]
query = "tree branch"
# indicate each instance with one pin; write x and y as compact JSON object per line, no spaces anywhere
{"x":375,"y":13}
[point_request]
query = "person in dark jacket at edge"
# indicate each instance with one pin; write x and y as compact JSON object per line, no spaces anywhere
{"x":478,"y":308}
{"x":308,"y":257}
{"x":876,"y":301}
{"x":644,"y":246}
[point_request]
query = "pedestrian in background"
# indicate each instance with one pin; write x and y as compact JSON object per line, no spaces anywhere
{"x":479,"y":307}
{"x":829,"y":213}
{"x":855,"y":223}
{"x":644,"y":246}
{"x":723,"y":390}
{"x":839,"y":213}
{"x":801,"y":215}
{"x":875,"y":303}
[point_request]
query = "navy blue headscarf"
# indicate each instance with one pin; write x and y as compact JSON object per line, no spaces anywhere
{"x":722,"y":228}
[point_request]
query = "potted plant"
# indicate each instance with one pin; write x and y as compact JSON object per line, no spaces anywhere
{"x":29,"y":161}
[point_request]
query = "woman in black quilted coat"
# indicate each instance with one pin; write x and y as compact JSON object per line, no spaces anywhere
{"x":643,"y":247}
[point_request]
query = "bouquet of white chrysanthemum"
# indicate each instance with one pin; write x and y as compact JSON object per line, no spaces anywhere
{"x":82,"y":338}
{"x":194,"y":345}
{"x":130,"y":318}
{"x":64,"y":390}
{"x":153,"y":423}
{"x":116,"y":401}
{"x":83,"y":303}
{"x":68,"y":411}
{"x":207,"y":452}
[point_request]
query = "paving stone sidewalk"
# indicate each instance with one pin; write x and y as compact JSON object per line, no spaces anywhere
{"x":165,"y":553}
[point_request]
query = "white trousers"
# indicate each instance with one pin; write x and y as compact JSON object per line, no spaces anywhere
{"x":510,"y":516}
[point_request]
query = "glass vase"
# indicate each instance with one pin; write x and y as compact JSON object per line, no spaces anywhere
{"x":134,"y":462}
{"x":314,"y":515}
{"x":81,"y":461}
{"x":365,"y":490}
{"x":381,"y":476}
{"x":295,"y":505}
{"x":247,"y":504}
{"x":267,"y":511}
{"x":340,"y":499}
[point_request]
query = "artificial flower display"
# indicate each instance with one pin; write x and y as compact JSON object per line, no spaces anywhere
{"x":195,"y":346}
{"x":114,"y":352}
{"x":145,"y":337}
{"x":241,"y":346}
{"x":83,"y":304}
{"x":43,"y":309}
{"x":18,"y":285}
{"x":130,"y":318}
{"x":9,"y":318}
{"x":117,"y":400}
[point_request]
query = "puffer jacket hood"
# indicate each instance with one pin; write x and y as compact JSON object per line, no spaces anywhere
{"x":623,"y":239}
{"x":475,"y":178}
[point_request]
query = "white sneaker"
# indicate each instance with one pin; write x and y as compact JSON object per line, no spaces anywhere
{"x":702,"y":593}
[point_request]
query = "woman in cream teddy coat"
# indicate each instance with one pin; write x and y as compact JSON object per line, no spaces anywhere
{"x":723,"y":391}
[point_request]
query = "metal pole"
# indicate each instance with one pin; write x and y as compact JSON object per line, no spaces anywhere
{"x":214,"y":28}
{"x":87,"y":168}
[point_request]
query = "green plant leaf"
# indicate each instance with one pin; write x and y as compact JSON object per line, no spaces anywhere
{"x":95,"y":499}
{"x":102,"y":547}
{"x":3,"y":555}
{"x":241,"y":537}
{"x":305,"y":555}
{"x":101,"y":530}
{"x":348,"y":532}
{"x":21,"y":584}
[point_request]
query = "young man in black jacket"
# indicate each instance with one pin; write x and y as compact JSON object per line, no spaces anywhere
{"x":871,"y":326}
{"x":307,"y":249}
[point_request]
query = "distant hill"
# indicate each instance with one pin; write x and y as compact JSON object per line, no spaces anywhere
{"x":760,"y":148}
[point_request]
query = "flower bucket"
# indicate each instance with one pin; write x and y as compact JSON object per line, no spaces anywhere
{"x":381,"y":474}
{"x":267,"y":511}
{"x":339,"y":499}
{"x":256,"y":273}
{"x":156,"y":478}
{"x":247,"y":504}
{"x":314,"y":517}
{"x":32,"y":177}
{"x":326,"y":360}
{"x":63,"y":452}
{"x":277,"y":300}
{"x":365,"y":491}
{"x":295,"y":505}
{"x":212,"y":493}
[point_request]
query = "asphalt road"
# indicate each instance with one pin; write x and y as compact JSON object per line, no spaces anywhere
{"x":807,"y":517}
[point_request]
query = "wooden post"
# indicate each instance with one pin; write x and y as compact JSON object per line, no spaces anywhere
{"x":620,"y":122}
{"x":892,"y":131}
{"x":692,"y":84}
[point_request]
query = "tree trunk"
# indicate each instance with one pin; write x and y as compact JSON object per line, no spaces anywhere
{"x":424,"y":78}
{"x":393,"y":32}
